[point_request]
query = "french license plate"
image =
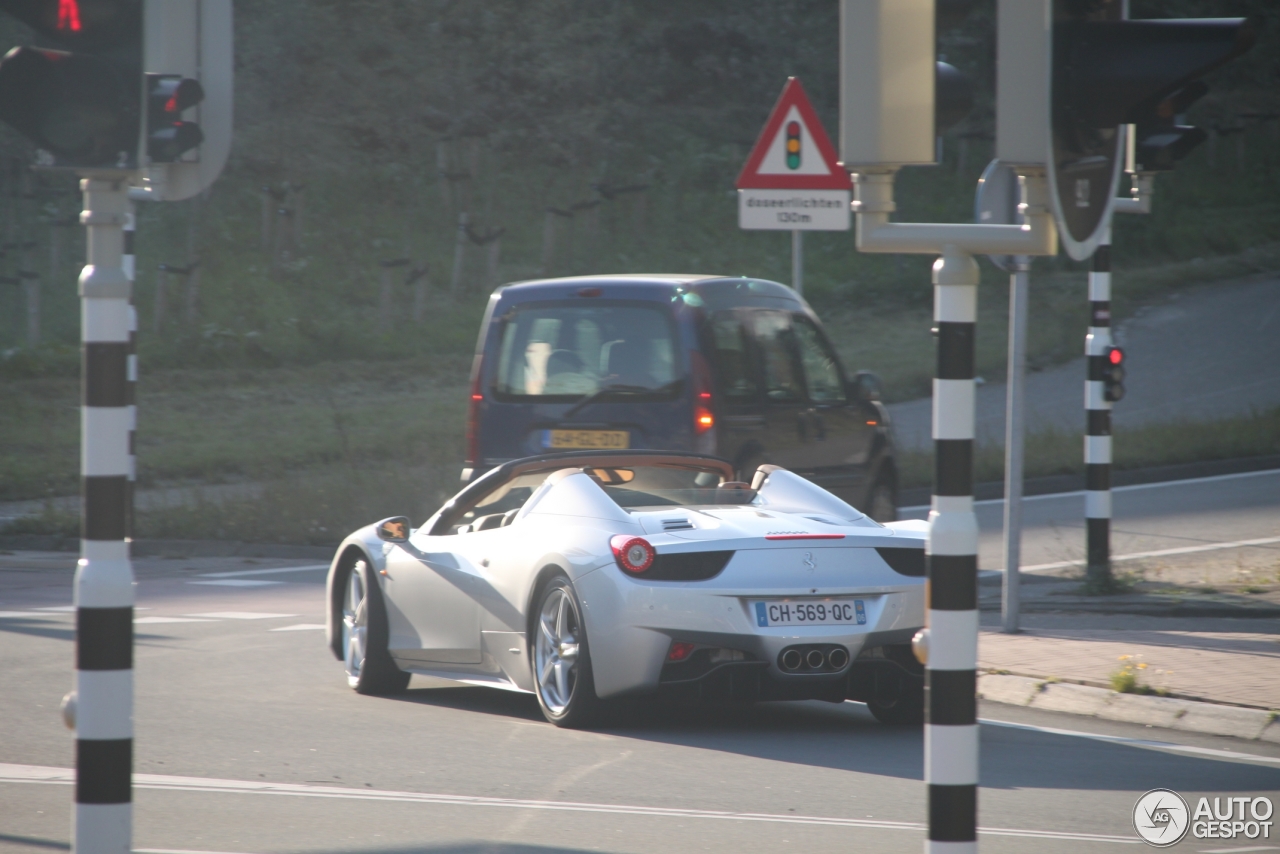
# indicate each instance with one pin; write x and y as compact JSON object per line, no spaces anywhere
{"x":589,"y":439}
{"x":828,"y":612}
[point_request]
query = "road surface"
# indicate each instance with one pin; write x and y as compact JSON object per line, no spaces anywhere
{"x":251,"y":742}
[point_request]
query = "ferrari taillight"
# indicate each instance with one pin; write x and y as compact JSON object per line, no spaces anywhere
{"x":703,"y":417}
{"x":473,"y":412}
{"x":633,"y":554}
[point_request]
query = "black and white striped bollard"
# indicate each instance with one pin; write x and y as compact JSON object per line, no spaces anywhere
{"x":101,"y":708}
{"x":951,"y":728}
{"x":1097,"y":440}
{"x":129,"y":263}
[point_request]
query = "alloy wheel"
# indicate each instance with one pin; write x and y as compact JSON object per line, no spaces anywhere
{"x":556,"y":649}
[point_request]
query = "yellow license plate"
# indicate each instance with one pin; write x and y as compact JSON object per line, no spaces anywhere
{"x":589,"y":439}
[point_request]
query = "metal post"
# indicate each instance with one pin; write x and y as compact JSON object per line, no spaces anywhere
{"x":797,"y":261}
{"x":128,"y":263}
{"x":1014,"y":433}
{"x":1097,"y":440}
{"x":101,"y":708}
{"x":951,"y":729}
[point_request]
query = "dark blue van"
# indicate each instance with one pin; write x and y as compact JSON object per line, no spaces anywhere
{"x":735,"y":367}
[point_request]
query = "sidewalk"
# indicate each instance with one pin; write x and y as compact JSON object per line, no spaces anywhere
{"x":1233,"y":661}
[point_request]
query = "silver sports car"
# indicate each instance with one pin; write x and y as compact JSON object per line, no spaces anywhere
{"x":584,"y":576}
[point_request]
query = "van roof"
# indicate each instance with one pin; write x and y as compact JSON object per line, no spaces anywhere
{"x":716,"y":291}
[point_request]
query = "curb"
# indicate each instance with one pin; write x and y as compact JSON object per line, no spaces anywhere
{"x":1166,"y":712}
{"x":1054,"y":483}
{"x":174,"y":548}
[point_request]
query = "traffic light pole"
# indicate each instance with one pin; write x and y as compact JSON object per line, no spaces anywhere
{"x":1097,"y":440}
{"x":948,"y":646}
{"x":1014,"y":434}
{"x":101,"y":708}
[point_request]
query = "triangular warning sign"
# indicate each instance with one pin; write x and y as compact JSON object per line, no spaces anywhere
{"x":793,"y":152}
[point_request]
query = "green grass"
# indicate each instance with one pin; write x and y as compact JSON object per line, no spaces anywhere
{"x":1054,"y":452}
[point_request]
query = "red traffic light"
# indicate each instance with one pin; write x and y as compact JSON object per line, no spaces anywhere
{"x":1115,"y":355}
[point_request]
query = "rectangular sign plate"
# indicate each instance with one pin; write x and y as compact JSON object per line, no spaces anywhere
{"x":828,"y":612}
{"x":587,"y":439}
{"x":794,"y":210}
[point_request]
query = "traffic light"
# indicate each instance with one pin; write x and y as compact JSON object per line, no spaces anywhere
{"x":1112,"y":374}
{"x":115,"y":84}
{"x":168,"y":136}
{"x":75,"y":93}
{"x":1107,"y":72}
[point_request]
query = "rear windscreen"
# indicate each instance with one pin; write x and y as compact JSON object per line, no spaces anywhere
{"x":552,"y":350}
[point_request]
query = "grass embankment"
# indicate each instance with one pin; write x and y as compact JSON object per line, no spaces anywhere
{"x":319,"y":451}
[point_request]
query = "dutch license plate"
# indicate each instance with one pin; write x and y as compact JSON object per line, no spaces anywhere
{"x":829,"y":612}
{"x":589,"y":439}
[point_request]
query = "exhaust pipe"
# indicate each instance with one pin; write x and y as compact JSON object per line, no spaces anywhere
{"x":791,"y":659}
{"x":814,"y":659}
{"x":837,"y":658}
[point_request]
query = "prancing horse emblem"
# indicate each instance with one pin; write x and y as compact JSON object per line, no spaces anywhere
{"x":808,"y":561}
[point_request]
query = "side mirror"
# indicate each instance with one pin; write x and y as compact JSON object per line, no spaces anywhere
{"x":865,"y":385}
{"x":394,"y":530}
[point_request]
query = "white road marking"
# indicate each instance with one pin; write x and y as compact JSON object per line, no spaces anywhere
{"x":916,"y":508}
{"x":1238,"y":850}
{"x":1231,"y":755}
{"x":151,"y":621}
{"x":240,"y":615}
{"x":58,"y":608}
{"x":237,"y":582}
{"x":300,"y":627}
{"x":28,"y":614}
{"x":242,"y":572}
{"x":177,"y":851}
{"x":1181,"y":550}
{"x":66,"y":776}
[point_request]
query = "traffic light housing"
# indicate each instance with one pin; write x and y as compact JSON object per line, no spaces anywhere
{"x":75,"y":93}
{"x":125,"y":85}
{"x":1070,"y":72}
{"x":1112,"y":374}
{"x":168,"y":135}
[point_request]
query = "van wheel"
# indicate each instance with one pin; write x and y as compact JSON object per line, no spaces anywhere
{"x":882,"y":504}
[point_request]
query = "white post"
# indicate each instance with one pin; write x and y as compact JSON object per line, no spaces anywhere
{"x":1014,"y":433}
{"x":101,"y":707}
{"x":797,"y":261}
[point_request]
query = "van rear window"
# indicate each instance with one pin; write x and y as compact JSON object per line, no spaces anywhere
{"x":552,"y":350}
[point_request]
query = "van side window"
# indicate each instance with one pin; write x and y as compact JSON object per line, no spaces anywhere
{"x":821,"y":370}
{"x":776,"y":339}
{"x":734,"y":377}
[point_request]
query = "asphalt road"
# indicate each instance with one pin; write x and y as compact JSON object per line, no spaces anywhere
{"x":1201,"y":355}
{"x":251,"y":742}
{"x":1148,"y":517}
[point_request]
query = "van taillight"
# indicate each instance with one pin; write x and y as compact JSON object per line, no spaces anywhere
{"x":473,"y":412}
{"x":703,"y":417}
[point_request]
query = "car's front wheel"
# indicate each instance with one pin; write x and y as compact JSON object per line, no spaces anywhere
{"x":365,"y":636}
{"x":561,"y":658}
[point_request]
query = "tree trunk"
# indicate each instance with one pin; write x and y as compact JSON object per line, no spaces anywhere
{"x":459,"y":254}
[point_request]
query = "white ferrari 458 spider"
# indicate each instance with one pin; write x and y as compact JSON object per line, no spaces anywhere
{"x":591,"y":575}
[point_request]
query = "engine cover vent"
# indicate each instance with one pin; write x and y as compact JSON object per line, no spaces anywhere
{"x":677,"y":525}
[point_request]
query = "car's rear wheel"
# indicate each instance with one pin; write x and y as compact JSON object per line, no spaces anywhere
{"x":365,"y":636}
{"x":897,"y":698}
{"x":562,"y":659}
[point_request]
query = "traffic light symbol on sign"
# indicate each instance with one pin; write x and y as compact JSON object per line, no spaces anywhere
{"x":1113,"y":374}
{"x":793,"y":145}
